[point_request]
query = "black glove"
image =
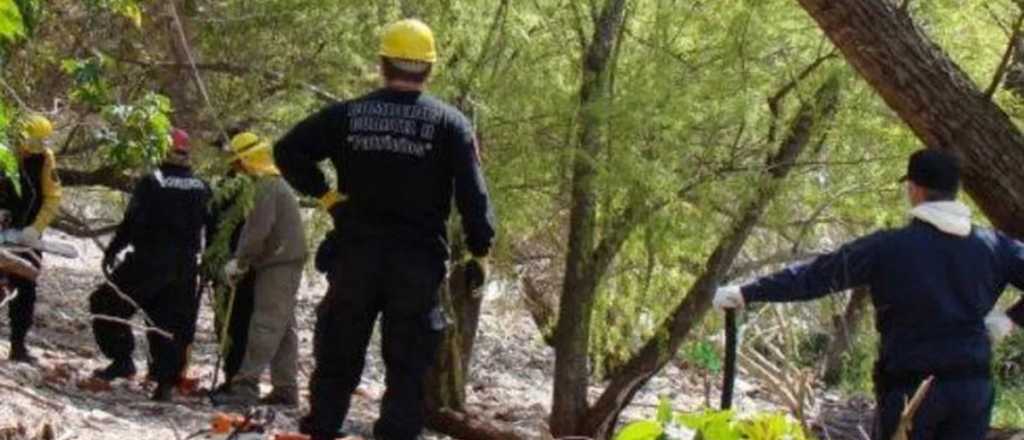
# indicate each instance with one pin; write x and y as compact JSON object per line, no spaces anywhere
{"x":476,"y":273}
{"x":325,"y":253}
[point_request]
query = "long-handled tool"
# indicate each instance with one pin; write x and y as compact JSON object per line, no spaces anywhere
{"x":729,"y":373}
{"x":222,"y":346}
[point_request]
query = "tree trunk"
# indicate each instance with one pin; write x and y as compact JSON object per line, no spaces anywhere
{"x":845,"y":333}
{"x":572,"y":335}
{"x":445,"y":385}
{"x":652,"y":357}
{"x":934,"y":97}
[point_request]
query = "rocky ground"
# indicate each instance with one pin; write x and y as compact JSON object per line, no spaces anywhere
{"x":510,"y":376}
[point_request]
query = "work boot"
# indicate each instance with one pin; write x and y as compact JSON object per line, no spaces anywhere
{"x":163,"y":393}
{"x":20,"y":354}
{"x":238,"y":394}
{"x":282,"y":397}
{"x":118,"y":369}
{"x":306,"y":427}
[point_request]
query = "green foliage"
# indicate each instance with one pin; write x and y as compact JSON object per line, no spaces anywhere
{"x":12,"y":25}
{"x":138,"y":132}
{"x":90,"y":87}
{"x":129,"y":9}
{"x":713,"y":425}
{"x":233,"y":199}
{"x":703,"y":355}
{"x":642,"y":430}
{"x":8,"y":158}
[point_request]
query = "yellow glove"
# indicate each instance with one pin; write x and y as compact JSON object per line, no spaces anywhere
{"x":331,"y":198}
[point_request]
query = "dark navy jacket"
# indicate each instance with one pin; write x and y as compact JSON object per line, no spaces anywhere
{"x":400,"y":158}
{"x":931,"y":292}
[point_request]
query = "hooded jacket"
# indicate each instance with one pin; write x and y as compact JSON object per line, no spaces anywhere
{"x":932,"y":283}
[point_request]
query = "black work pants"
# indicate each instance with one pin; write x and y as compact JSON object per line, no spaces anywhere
{"x":238,"y":326}
{"x":168,"y":295}
{"x":367,"y":280}
{"x":954,"y":409}
{"x":22,"y":308}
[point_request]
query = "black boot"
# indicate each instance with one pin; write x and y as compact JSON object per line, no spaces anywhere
{"x":118,"y":369}
{"x":19,"y":353}
{"x":163,"y":392}
{"x":306,"y":427}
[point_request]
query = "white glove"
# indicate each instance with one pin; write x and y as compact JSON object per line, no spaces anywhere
{"x":29,"y":236}
{"x":233,"y":271}
{"x":728,"y":297}
{"x":999,"y":325}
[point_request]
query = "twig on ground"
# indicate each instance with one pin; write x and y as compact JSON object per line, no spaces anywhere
{"x":24,"y":391}
{"x":9,"y":298}
{"x":131,"y":324}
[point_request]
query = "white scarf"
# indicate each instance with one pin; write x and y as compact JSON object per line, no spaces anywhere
{"x":951,"y":217}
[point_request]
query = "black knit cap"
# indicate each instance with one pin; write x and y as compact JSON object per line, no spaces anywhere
{"x":934,"y":169}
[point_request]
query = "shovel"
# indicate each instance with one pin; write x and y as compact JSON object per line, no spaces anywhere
{"x":729,"y":372}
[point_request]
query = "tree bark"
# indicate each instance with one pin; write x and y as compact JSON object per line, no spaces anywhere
{"x":844,"y":335}
{"x":572,"y":334}
{"x":939,"y":102}
{"x":104,"y":176}
{"x":465,"y":426}
{"x":652,"y":357}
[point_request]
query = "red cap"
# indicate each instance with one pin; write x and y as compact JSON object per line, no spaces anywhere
{"x":179,"y":140}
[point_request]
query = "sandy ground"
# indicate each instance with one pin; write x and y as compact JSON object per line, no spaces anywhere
{"x":510,"y":377}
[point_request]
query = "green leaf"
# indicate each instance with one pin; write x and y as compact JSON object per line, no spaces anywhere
{"x":12,"y":26}
{"x":771,"y":427}
{"x":642,"y":430}
{"x":9,"y":165}
{"x":132,"y":12}
{"x":664,"y":411}
{"x":711,"y":425}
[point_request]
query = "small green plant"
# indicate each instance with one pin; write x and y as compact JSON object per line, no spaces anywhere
{"x":702,"y":356}
{"x":713,"y":425}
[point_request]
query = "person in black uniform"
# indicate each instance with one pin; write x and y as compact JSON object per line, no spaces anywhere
{"x":163,"y":224}
{"x":399,"y":155}
{"x":32,"y":211}
{"x":933,"y":283}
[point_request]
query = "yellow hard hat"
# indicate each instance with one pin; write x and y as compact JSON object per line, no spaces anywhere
{"x":36,"y":127}
{"x":254,"y":153}
{"x":408,"y":39}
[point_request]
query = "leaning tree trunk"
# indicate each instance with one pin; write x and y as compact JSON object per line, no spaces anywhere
{"x":601,"y":419}
{"x":934,"y":97}
{"x":572,"y":334}
{"x":844,"y":335}
{"x":445,"y":383}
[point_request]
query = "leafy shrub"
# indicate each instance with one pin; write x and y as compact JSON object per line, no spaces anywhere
{"x":712,"y":425}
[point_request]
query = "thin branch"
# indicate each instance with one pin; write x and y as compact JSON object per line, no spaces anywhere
{"x":24,"y":391}
{"x":195,"y":72}
{"x":9,"y":298}
{"x":241,"y":70}
{"x":151,"y":326}
{"x":13,"y":93}
{"x":997,"y":78}
{"x":147,"y":329}
{"x":775,"y":101}
{"x":71,"y":225}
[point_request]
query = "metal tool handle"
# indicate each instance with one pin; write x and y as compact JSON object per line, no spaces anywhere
{"x":729,"y":373}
